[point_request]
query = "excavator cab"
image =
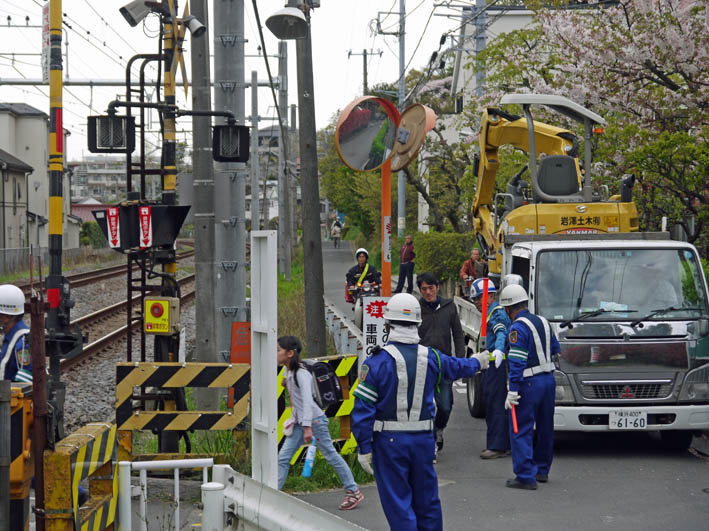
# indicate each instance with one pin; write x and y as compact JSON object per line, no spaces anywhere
{"x":558,"y":196}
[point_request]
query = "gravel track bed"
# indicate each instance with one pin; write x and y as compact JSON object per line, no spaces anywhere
{"x":90,"y":386}
{"x":90,"y":393}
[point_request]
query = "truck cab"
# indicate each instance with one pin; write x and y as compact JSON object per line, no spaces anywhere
{"x":631,"y":313}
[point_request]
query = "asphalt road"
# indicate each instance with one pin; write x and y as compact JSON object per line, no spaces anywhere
{"x":621,"y":481}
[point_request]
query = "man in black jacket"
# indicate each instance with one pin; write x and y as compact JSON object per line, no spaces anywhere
{"x":440,"y":320}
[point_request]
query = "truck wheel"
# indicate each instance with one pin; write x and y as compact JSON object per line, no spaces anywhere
{"x":476,"y":403}
{"x":676,"y":440}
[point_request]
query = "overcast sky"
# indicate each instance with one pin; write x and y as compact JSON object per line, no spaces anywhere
{"x":100,"y":42}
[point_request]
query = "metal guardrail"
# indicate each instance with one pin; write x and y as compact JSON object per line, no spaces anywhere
{"x":235,"y":501}
{"x":348,"y":338}
{"x":125,"y":511}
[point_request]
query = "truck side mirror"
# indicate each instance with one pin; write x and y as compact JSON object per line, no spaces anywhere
{"x":703,"y":327}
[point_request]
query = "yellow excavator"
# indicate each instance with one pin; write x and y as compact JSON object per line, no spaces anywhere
{"x":630,"y":309}
{"x":561,"y":199}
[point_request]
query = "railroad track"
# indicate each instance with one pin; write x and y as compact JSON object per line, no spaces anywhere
{"x":107,"y":313}
{"x":89,"y":277}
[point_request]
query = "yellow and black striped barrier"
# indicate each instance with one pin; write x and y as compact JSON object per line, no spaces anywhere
{"x":20,"y":454}
{"x":178,"y":375}
{"x":89,"y":452}
{"x":345,"y":367}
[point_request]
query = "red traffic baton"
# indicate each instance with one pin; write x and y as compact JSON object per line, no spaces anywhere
{"x":514,"y":418}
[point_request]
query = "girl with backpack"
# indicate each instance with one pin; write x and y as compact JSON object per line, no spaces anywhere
{"x":308,"y":422}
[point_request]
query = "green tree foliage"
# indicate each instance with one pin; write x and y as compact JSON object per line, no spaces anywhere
{"x":443,"y":253}
{"x":92,"y":235}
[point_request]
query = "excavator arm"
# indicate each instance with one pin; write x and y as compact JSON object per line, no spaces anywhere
{"x":498,"y":128}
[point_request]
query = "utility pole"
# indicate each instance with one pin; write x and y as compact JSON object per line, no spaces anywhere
{"x":230,"y":185}
{"x":293,"y":196}
{"x":255,"y":166}
{"x":364,"y":65}
{"x":312,"y":241}
{"x":284,"y":233}
{"x":401,"y":189}
{"x":480,"y":24}
{"x":203,"y":185}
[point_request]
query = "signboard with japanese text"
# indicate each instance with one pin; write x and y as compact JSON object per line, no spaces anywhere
{"x":146,"y":226}
{"x":373,"y":331}
{"x":114,"y":227}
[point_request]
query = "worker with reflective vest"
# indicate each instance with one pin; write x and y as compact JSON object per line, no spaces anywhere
{"x":362,"y":270}
{"x":532,"y":344}
{"x":393,"y":413}
{"x":494,"y":379}
{"x":15,"y":359}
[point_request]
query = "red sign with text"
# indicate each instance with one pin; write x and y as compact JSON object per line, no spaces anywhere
{"x":114,"y":228}
{"x":146,"y":227}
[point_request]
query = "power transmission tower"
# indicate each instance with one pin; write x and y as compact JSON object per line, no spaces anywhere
{"x":364,"y":64}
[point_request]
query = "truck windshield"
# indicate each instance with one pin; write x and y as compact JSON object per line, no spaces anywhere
{"x":641,"y":281}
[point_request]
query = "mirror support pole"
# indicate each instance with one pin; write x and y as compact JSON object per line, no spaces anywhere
{"x":386,"y":229}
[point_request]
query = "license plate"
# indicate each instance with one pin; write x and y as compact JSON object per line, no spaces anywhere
{"x":627,"y":419}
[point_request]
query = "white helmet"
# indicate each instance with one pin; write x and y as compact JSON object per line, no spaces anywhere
{"x":12,"y":300}
{"x":512,"y":295}
{"x":478,"y":287}
{"x":403,"y":307}
{"x":362,"y":250}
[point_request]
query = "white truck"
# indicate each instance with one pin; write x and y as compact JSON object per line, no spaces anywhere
{"x":631,"y":313}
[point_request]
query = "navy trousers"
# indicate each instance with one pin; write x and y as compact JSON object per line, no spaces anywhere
{"x":406,"y":480}
{"x":494,"y":389}
{"x":536,"y":405}
{"x":406,"y":271}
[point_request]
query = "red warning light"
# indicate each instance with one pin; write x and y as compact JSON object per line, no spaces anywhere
{"x":156,"y":310}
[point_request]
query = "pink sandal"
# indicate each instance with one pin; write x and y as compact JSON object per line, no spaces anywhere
{"x":352,"y":500}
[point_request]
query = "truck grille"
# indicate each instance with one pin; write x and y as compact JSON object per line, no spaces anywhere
{"x":626,"y":390}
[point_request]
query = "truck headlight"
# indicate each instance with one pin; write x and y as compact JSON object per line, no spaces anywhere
{"x":564,"y":393}
{"x":696,"y":384}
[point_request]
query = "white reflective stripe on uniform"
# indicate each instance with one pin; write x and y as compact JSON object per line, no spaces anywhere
{"x":412,"y":425}
{"x":547,"y":367}
{"x":419,"y":383}
{"x":402,"y":401}
{"x":404,"y":422}
{"x":10,"y":348}
{"x":542,"y":353}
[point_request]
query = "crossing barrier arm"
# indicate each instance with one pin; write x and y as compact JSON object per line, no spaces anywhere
{"x":235,"y":501}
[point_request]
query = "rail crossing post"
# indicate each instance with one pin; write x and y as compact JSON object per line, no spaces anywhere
{"x":264,"y":322}
{"x":61,"y":340}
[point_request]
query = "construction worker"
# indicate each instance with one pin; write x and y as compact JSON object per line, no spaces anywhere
{"x":15,"y":359}
{"x":532,"y":344}
{"x":494,"y":379}
{"x":392,"y":419}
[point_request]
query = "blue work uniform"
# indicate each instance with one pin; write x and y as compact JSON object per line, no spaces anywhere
{"x":15,"y":359}
{"x":532,"y":344}
{"x":393,"y":419}
{"x":494,"y":379}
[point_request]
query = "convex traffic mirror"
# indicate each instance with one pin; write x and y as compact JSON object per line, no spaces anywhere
{"x":366,"y":131}
{"x":370,"y":131}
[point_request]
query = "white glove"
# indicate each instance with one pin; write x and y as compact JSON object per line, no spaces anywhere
{"x":499,"y":356}
{"x":512,"y":399}
{"x":365,"y":461}
{"x":483,"y":358}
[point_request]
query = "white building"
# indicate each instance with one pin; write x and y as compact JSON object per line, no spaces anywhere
{"x":24,"y":134}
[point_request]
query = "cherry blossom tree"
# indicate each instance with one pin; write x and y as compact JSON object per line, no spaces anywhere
{"x":644,"y":65}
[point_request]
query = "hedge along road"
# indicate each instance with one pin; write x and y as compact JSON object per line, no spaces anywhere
{"x":601,"y":481}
